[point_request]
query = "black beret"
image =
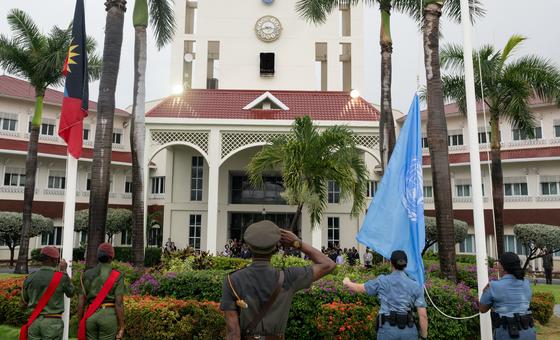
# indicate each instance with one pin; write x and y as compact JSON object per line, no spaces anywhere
{"x":398,"y":257}
{"x":262,"y":237}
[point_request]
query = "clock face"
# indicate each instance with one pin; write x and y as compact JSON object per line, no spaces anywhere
{"x":268,"y":28}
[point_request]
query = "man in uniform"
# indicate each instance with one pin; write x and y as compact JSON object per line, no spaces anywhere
{"x":548,"y":264}
{"x":107,"y":321}
{"x":257,"y":299}
{"x":48,"y":325}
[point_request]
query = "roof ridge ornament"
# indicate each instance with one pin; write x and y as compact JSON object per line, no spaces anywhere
{"x":267,"y":95}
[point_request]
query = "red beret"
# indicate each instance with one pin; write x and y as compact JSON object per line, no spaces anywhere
{"x":51,"y":251}
{"x":107,"y":248}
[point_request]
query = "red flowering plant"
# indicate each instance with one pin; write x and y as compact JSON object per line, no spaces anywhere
{"x":11,"y":310}
{"x":346,"y":321}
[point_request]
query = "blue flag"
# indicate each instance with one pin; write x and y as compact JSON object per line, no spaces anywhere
{"x":395,"y":218}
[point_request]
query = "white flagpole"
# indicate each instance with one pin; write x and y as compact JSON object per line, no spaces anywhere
{"x":476,"y":178}
{"x":68,"y":223}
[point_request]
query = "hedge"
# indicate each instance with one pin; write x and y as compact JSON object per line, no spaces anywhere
{"x":152,"y":256}
{"x":542,"y":307}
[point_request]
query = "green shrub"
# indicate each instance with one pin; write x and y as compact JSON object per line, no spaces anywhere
{"x":152,"y":256}
{"x":196,"y":285}
{"x":542,"y":307}
{"x":281,"y":261}
{"x":35,"y":254}
{"x":229,"y":263}
{"x":78,"y":254}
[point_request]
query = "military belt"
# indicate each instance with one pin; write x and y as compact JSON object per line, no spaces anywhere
{"x":513,"y":324}
{"x":401,"y":320}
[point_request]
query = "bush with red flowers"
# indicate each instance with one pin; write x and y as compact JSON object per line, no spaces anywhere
{"x":343,"y":321}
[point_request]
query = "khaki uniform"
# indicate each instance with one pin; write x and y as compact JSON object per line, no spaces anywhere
{"x":102,"y":325}
{"x":49,"y":325}
{"x":255,"y":285}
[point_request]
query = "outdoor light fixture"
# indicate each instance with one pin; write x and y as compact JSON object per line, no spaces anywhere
{"x":354,"y":93}
{"x":263,"y":212}
{"x":177,"y":89}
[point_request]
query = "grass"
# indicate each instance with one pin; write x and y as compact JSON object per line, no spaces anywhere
{"x":12,"y":333}
{"x":550,"y":331}
{"x":554,"y":289}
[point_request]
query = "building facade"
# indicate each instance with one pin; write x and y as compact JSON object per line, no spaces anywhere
{"x":531,"y":172}
{"x":17,"y":104}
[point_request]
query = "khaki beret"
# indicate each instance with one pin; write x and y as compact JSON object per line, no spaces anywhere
{"x":262,"y":237}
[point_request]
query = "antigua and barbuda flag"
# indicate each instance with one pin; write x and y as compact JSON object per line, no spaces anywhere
{"x":395,"y":218}
{"x":76,"y":91}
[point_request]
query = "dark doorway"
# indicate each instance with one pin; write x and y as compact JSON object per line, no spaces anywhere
{"x":238,"y":222}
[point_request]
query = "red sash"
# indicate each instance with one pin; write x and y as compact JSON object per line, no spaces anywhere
{"x":41,"y":304}
{"x":92,"y":308}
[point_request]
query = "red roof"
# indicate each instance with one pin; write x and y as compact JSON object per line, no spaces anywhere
{"x":229,"y":104}
{"x":454,"y":108}
{"x":552,"y":151}
{"x":17,"y":88}
{"x":54,"y":149}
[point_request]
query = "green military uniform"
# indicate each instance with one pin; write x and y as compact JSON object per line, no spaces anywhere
{"x":103,"y":324}
{"x":256,"y":284}
{"x":49,"y":324}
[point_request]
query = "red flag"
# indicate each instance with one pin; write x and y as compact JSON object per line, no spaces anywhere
{"x":76,"y":91}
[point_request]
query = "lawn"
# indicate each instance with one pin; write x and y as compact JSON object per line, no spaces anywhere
{"x":554,"y":289}
{"x":12,"y":333}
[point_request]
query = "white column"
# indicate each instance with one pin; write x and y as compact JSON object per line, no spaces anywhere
{"x":68,"y":228}
{"x":214,"y":156}
{"x":146,"y":177}
{"x":476,"y":177}
{"x":316,"y":237}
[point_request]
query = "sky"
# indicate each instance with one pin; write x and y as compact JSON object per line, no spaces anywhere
{"x":538,"y":22}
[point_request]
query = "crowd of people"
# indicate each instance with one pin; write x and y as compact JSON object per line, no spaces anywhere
{"x":342,"y":256}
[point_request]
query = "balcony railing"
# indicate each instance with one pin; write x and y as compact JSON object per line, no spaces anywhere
{"x":547,"y":198}
{"x":55,"y":192}
{"x":156,"y":196}
{"x":518,"y":198}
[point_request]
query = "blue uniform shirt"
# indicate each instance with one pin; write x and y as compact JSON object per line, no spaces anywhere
{"x":508,"y":296}
{"x":397,"y":292}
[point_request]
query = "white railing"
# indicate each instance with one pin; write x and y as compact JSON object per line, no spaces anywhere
{"x":118,"y":146}
{"x":126,"y":196}
{"x":55,"y":192}
{"x":9,"y":133}
{"x":462,"y":199}
{"x":518,"y":199}
{"x":12,"y":190}
{"x":547,"y":198}
{"x":156,"y":196}
{"x":85,"y":193}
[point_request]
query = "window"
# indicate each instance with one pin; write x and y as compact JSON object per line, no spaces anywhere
{"x":83,"y":237}
{"x":333,"y":231}
{"x":428,"y":191}
{"x":345,"y":18}
{"x":243,"y":192}
{"x":463,"y":190}
{"x":267,"y":64}
{"x":454,"y":140}
{"x":86,"y":132}
{"x":212,"y":61}
{"x":54,"y":238}
{"x":512,"y":244}
{"x":188,"y":59}
{"x":424,"y":142}
{"x":484,"y":137}
{"x":128,"y":185}
{"x":371,"y":188}
{"x":557,"y":129}
{"x":14,"y":177}
{"x":158,"y":185}
{"x":333,"y":192}
{"x":515,"y":189}
{"x":47,"y":128}
{"x":8,"y":121}
{"x":195,"y":228}
{"x":550,"y":188}
{"x":117,"y":137}
{"x":57,"y":180}
{"x":126,"y":237}
{"x":190,"y":14}
{"x":154,"y":235}
{"x":88,"y":182}
{"x":197,"y":170}
{"x":518,"y":134}
{"x":467,"y":246}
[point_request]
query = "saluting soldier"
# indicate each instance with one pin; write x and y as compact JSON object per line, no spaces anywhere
{"x":509,"y":298}
{"x":257,"y":299}
{"x":43,"y":294}
{"x":398,"y":295}
{"x":102,"y":293}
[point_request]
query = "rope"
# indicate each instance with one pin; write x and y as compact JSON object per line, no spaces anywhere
{"x":443,"y":313}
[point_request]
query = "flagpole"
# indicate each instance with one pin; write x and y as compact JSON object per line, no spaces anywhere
{"x":476,"y":177}
{"x":68,"y":223}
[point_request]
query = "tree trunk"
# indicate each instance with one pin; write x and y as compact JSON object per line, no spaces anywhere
{"x":12,"y":251}
{"x":497,"y":183}
{"x":29,"y":191}
{"x":99,"y":194}
{"x":137,"y":138}
{"x":437,"y":140}
{"x":295,"y":219}
{"x":387,"y":123}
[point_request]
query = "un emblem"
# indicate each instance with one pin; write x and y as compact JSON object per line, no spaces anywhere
{"x":412,"y":191}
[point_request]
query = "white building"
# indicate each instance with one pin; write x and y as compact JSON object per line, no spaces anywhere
{"x":17,"y":104}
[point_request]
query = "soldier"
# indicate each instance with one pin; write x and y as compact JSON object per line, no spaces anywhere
{"x":509,"y":298}
{"x":257,"y":299}
{"x":548,"y":264}
{"x":102,"y":292}
{"x":398,"y":295}
{"x":43,"y":294}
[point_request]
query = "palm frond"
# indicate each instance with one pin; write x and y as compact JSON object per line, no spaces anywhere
{"x":451,"y":57}
{"x":316,"y":11}
{"x":452,"y":9}
{"x":162,"y":18}
{"x":454,"y":90}
{"x":24,"y":29}
{"x":539,"y":73}
{"x":13,"y":59}
{"x":514,"y":41}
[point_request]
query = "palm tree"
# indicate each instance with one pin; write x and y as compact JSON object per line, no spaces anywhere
{"x":39,"y":59}
{"x":309,"y":158}
{"x":428,"y":13}
{"x":162,"y":17}
{"x":508,"y":87}
{"x":316,"y":11}
{"x":99,"y":194}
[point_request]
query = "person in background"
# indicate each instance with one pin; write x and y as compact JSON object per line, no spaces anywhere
{"x":509,"y":298}
{"x":257,"y":299}
{"x":340,"y":258}
{"x":398,"y":295}
{"x":368,"y":258}
{"x":548,"y":264}
{"x":49,"y":324}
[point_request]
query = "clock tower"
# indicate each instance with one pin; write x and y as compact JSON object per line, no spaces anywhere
{"x":265,"y":44}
